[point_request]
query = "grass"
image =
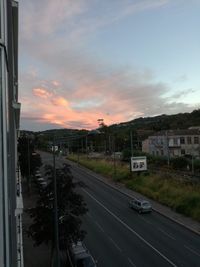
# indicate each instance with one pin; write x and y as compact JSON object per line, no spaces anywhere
{"x":180,"y":197}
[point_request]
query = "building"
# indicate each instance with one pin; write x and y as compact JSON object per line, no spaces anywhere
{"x":173,"y":143}
{"x":11,"y":205}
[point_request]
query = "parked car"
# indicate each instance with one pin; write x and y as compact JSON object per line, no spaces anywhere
{"x":81,"y":257}
{"x":141,"y":205}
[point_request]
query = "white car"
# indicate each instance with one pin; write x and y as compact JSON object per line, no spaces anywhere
{"x":142,"y":206}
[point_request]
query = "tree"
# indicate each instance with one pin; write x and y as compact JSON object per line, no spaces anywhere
{"x":29,"y":160}
{"x":70,"y":207}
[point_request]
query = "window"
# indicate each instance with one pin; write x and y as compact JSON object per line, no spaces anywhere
{"x":175,"y":141}
{"x":189,"y":140}
{"x":196,"y":140}
{"x":182,"y":140}
{"x":182,"y":151}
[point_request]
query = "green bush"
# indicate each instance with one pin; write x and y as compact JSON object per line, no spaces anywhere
{"x":179,"y":163}
{"x":197,"y":165}
{"x":157,"y":160}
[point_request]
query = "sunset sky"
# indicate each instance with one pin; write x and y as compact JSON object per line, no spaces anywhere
{"x":82,"y":60}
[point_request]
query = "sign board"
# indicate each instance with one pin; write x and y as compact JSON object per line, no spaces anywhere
{"x":138,"y":164}
{"x":55,"y":148}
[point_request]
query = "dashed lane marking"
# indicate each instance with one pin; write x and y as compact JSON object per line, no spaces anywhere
{"x":131,"y":230}
{"x":192,"y":250}
{"x":114,"y":243}
{"x":165,"y":233}
{"x":131,"y":262}
{"x":100,"y":227}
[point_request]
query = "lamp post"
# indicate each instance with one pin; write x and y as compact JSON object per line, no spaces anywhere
{"x":56,"y":231}
{"x":29,"y":164}
{"x":167,"y":146}
{"x":114,"y":156}
{"x":131,"y":136}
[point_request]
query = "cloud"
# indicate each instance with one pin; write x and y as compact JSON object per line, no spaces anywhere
{"x":47,"y":16}
{"x":87,"y":89}
{"x":41,"y":92}
{"x":59,"y":101}
{"x":120,"y":96}
{"x":56,"y":83}
{"x":65,"y":84}
{"x":76,"y":20}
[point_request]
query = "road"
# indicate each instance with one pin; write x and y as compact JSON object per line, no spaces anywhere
{"x":120,"y":237}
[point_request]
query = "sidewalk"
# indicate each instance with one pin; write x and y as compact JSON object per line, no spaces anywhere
{"x":33,"y":256}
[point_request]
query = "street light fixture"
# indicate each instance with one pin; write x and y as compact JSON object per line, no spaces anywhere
{"x":56,"y":230}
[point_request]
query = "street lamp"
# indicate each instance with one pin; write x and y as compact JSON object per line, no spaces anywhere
{"x":56,"y":230}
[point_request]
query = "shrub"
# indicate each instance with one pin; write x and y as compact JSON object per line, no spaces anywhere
{"x":179,"y":163}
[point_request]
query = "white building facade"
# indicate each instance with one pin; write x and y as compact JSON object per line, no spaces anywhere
{"x":11,"y":205}
{"x":173,"y":143}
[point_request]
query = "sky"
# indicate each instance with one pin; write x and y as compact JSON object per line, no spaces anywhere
{"x":116,"y":60}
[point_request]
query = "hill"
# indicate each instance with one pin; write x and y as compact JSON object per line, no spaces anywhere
{"x":142,"y":126}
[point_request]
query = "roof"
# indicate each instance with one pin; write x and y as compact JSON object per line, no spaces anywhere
{"x":178,"y":132}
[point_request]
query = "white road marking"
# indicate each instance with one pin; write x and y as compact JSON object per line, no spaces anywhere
{"x":170,"y":236}
{"x":192,"y":250}
{"x":131,"y":262}
{"x":114,"y":243}
{"x":130,"y":229}
{"x":100,"y":227}
{"x":147,"y":221}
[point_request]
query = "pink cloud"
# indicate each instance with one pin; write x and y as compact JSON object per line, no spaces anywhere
{"x":59,"y":101}
{"x":59,"y":116}
{"x":53,"y":98}
{"x":41,"y":92}
{"x":56,"y":83}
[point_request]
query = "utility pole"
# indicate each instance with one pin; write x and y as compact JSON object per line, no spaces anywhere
{"x":131,"y":137}
{"x":56,"y":232}
{"x":167,"y":146}
{"x":78,"y":156}
{"x":114,"y":159}
{"x":192,"y":160}
{"x":86,"y":146}
{"x":109,"y":145}
{"x":29,"y":164}
{"x":192,"y":164}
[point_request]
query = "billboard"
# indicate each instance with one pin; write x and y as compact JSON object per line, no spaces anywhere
{"x":138,"y":164}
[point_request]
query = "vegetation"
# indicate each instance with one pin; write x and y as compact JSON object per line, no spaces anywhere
{"x":105,"y":167}
{"x":29,"y":160}
{"x":118,"y":136}
{"x":180,"y":163}
{"x":70,"y":208}
{"x":179,"y":196}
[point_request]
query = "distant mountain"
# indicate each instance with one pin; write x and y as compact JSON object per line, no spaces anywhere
{"x":142,"y":126}
{"x":165,"y":122}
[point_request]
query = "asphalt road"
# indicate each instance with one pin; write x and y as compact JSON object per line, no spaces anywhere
{"x":120,"y":237}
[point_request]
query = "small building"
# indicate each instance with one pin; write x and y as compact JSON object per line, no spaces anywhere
{"x":173,"y":143}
